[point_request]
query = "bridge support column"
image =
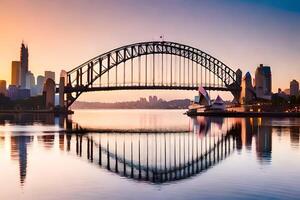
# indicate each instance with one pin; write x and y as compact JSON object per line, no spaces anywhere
{"x":62,"y":93}
{"x":237,"y":96}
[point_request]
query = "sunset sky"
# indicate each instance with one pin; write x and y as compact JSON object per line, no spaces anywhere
{"x":64,"y":34}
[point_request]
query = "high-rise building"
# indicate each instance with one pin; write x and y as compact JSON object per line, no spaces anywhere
{"x":49,"y":74}
{"x":3,"y":90}
{"x":30,"y":80}
{"x":247,"y":93}
{"x":30,"y":83}
{"x":263,"y":82}
{"x":24,"y":64}
{"x":15,"y":73}
{"x":294,"y":88}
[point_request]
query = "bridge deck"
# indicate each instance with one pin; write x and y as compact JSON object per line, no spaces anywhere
{"x":142,"y":87}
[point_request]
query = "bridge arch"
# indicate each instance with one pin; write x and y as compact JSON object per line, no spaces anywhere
{"x":185,"y":73}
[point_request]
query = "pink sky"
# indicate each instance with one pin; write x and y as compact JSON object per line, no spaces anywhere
{"x":64,"y":34}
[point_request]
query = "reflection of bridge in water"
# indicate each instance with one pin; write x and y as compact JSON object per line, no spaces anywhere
{"x":157,"y":157}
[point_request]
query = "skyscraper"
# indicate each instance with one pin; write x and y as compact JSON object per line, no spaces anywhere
{"x":263,"y":82}
{"x":294,"y":88}
{"x":24,"y":65}
{"x":247,"y":93}
{"x":15,"y":73}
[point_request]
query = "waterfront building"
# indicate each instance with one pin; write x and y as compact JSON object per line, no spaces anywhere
{"x":49,"y":92}
{"x":50,"y":74}
{"x":15,"y":73}
{"x":294,"y":88}
{"x":204,"y":97}
{"x":15,"y":93}
{"x":12,"y":92}
{"x":3,"y":90}
{"x":247,"y":93}
{"x":24,"y":65}
{"x":263,"y":82}
{"x":218,"y":104}
{"x":23,"y":93}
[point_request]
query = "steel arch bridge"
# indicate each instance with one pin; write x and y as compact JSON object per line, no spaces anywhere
{"x":156,"y":65}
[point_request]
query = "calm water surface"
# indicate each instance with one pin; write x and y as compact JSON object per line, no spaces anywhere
{"x":148,"y":154}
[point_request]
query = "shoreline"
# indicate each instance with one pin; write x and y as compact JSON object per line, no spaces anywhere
{"x":36,"y":112}
{"x":244,"y":114}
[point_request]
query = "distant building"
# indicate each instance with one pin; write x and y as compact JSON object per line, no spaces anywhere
{"x":50,"y":74}
{"x":247,"y":93}
{"x":263,"y":82}
{"x":40,"y":81}
{"x":12,"y":92}
{"x":64,"y":74}
{"x":23,"y":93}
{"x":287,"y":91}
{"x":24,"y":65}
{"x":143,"y":100}
{"x":16,"y":73}
{"x":294,"y":88}
{"x":3,"y":90}
{"x":30,"y":80}
{"x":15,"y":93}
{"x":153,"y":99}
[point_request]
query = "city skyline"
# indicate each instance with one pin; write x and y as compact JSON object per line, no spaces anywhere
{"x":243,"y":34}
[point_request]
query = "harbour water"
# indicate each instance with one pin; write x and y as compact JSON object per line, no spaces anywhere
{"x":148,"y":154}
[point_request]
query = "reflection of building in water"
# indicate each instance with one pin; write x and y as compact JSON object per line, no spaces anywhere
{"x":47,"y":140}
{"x":28,"y":119}
{"x":61,"y":141}
{"x":247,"y":138}
{"x":202,"y":125}
{"x":2,"y":140}
{"x":264,"y":140}
{"x":249,"y":130}
{"x":294,"y":135}
{"x":19,"y":152}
